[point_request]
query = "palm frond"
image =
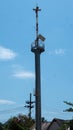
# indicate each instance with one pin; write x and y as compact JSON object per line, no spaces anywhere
{"x":68,"y":103}
{"x":69,"y":110}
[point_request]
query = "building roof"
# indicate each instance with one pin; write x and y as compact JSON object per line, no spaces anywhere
{"x":55,"y":124}
{"x":45,"y":125}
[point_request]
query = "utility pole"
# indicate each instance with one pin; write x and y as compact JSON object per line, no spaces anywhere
{"x":37,"y":48}
{"x":30,"y":105}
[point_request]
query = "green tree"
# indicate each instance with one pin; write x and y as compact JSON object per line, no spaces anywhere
{"x":12,"y":124}
{"x":1,"y":126}
{"x":64,"y":127}
{"x":69,"y":109}
{"x":19,"y":123}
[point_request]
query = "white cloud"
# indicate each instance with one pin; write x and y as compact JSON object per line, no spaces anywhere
{"x":60,"y":52}
{"x":23,"y":75}
{"x":51,"y":112}
{"x":6,"y":54}
{"x":20,"y":73}
{"x":2,"y":101}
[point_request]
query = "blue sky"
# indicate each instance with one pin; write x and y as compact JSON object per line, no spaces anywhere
{"x":17,"y":33}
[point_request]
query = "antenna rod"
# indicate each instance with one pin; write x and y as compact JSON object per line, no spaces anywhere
{"x":36,"y":11}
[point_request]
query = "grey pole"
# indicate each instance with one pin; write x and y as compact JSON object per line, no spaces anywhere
{"x":37,"y":91}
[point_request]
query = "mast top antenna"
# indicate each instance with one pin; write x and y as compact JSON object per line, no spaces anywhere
{"x":37,"y":9}
{"x":37,"y":46}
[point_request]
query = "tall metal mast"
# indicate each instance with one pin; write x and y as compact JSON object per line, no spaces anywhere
{"x":37,"y":48}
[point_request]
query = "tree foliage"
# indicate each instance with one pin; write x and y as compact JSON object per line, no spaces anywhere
{"x":17,"y":123}
{"x":64,"y":126}
{"x":69,"y":109}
